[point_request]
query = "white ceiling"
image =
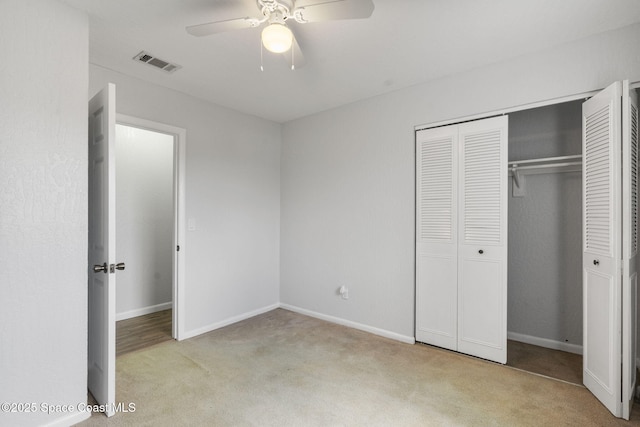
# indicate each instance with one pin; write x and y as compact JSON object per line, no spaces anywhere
{"x":405,"y":42}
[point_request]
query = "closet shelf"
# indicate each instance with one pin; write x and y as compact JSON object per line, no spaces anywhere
{"x":517,"y":168}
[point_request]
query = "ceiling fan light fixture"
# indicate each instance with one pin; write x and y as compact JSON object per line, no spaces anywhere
{"x":277,"y":38}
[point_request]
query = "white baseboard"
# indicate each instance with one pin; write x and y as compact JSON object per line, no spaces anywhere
{"x":70,"y":420}
{"x":349,"y":323}
{"x":144,"y":310}
{"x":227,"y":322}
{"x":544,"y":342}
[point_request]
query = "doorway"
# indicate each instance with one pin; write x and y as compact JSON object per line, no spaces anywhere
{"x":145,"y":218}
{"x":545,"y":241}
{"x":150,"y":202}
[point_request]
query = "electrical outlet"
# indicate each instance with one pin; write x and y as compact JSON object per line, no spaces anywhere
{"x":344,"y":292}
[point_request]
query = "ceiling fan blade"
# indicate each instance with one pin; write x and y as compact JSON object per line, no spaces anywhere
{"x":221,"y":26}
{"x":294,"y":55}
{"x":334,"y":10}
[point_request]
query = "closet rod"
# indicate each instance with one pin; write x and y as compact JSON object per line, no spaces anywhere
{"x":550,"y":165}
{"x":545,"y":160}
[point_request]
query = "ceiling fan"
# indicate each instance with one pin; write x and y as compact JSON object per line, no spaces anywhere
{"x":276,"y":36}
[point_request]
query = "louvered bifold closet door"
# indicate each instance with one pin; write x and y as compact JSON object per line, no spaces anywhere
{"x":436,"y":236}
{"x":601,"y":148}
{"x":629,"y":245}
{"x":482,"y":251}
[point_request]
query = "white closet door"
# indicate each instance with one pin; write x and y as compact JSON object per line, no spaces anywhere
{"x":629,"y":244}
{"x":436,"y":239}
{"x":482,"y":252}
{"x":601,"y":247}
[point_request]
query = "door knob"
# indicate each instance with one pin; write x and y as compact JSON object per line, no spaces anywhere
{"x":98,"y":268}
{"x":480,"y":251}
{"x":596,"y":262}
{"x":114,"y":267}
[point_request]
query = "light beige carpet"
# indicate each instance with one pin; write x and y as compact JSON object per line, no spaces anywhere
{"x":285,"y":369}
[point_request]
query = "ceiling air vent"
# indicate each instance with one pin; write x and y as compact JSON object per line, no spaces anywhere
{"x":156,"y":62}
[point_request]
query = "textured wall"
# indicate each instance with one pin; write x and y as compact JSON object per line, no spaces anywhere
{"x":43,"y":207}
{"x":348,"y":190}
{"x":545,"y":228}
{"x":144,"y":218}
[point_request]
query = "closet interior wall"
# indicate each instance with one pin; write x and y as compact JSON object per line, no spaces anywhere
{"x":545,"y":231}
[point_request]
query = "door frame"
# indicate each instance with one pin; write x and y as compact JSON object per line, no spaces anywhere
{"x":179,"y":230}
{"x":521,"y":107}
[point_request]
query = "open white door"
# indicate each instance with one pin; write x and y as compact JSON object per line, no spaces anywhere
{"x":437,"y":237}
{"x":102,"y":283}
{"x":482,"y":251}
{"x":602,"y":278}
{"x":629,"y":244}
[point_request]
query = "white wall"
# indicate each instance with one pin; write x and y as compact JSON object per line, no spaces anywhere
{"x":545,"y":229}
{"x":144,"y":220}
{"x":348,"y":175}
{"x":43,"y":208}
{"x":232,"y":194}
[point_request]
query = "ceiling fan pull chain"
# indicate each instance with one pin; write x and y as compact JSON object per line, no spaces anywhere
{"x":261,"y":62}
{"x":293,"y":64}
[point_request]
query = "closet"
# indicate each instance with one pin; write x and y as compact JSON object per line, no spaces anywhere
{"x":461,"y":243}
{"x":545,"y":227}
{"x":571,"y":177}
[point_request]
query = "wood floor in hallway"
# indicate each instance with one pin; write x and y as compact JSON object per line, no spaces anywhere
{"x":143,"y":331}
